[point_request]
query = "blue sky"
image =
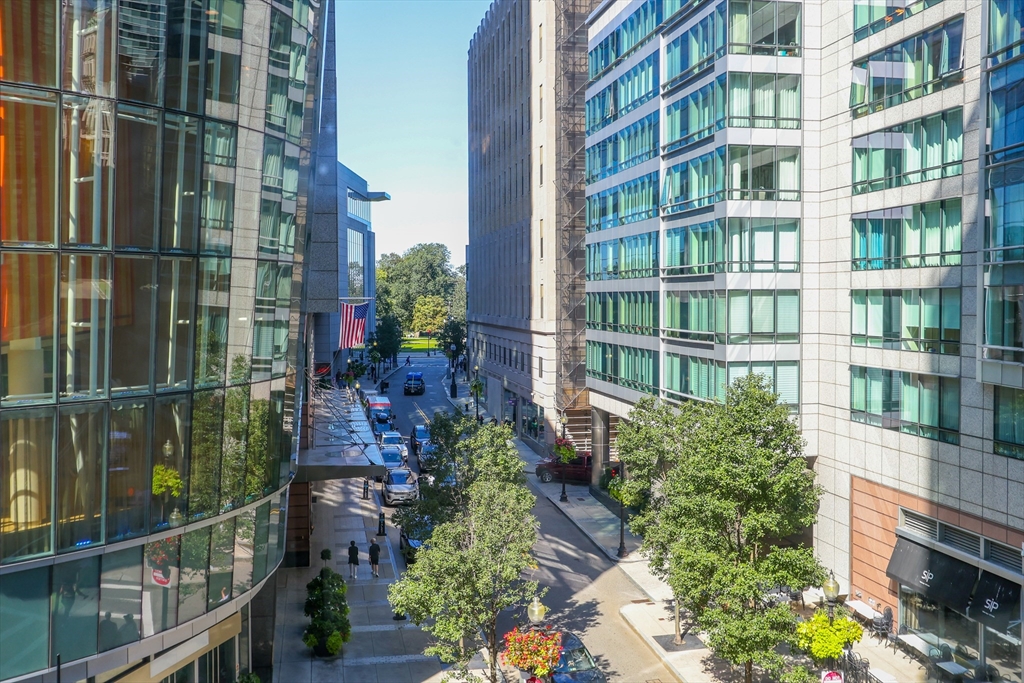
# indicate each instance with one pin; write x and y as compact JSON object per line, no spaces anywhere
{"x":402,"y":114}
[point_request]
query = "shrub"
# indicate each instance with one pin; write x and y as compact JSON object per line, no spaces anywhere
{"x":328,"y":611}
{"x":334,"y":642}
{"x":249,"y":677}
{"x":824,"y":641}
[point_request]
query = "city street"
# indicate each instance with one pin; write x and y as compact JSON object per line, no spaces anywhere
{"x":585,"y":589}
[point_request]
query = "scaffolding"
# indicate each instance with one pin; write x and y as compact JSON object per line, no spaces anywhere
{"x":571,"y":398}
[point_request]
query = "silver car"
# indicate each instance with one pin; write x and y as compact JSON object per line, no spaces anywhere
{"x":400,"y":486}
{"x":397,"y":440}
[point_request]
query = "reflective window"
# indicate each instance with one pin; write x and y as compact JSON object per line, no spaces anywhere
{"x":240,"y":321}
{"x":632,"y":89}
{"x":629,"y":36}
{"x":764,"y":28}
{"x":218,"y":210}
{"x":1009,"y":422}
{"x":696,"y":48}
{"x":625,"y":366}
{"x":764,"y":173}
{"x":160,"y":585}
{"x":245,"y":529}
{"x":632,"y":201}
{"x":764,"y":100}
{"x":624,"y":258}
{"x":624,"y":149}
{"x":81,"y":443}
{"x":76,"y":608}
{"x":87,"y":172}
{"x":90,"y":33}
{"x":630,"y":312}
{"x":261,"y":473}
{"x":1005,"y":17}
{"x":128,"y":478}
{"x":28,"y":145}
{"x":763,"y":244}
{"x":26,"y":473}
{"x":185,"y":44}
{"x":695,"y":248}
{"x":24,"y":622}
{"x":908,"y":236}
{"x":226,"y":18}
{"x":693,"y":183}
{"x":260,"y":536}
{"x":355,"y":263}
{"x":926,"y":320}
{"x":873,"y":16}
{"x":236,"y":431}
{"x":175,"y":302}
{"x":137,"y":211}
{"x":131,"y":355}
{"x":204,"y":475}
{"x":27,"y":327}
{"x":195,"y":566}
{"x":222,"y":549}
{"x":140,"y":44}
{"x":909,"y":153}
{"x":85,"y":296}
{"x":214,"y":284}
{"x":30,"y":43}
{"x":925,"y":405}
{"x":181,"y":175}
{"x":170,"y":461}
{"x":120,"y":599}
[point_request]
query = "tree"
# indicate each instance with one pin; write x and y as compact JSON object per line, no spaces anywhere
{"x":429,"y":313}
{"x":389,"y":337}
{"x":452,"y":333}
{"x":471,"y":572}
{"x":459,"y":294}
{"x":724,"y":485}
{"x":423,"y":270}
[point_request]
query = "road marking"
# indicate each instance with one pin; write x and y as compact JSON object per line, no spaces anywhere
{"x":420,"y":411}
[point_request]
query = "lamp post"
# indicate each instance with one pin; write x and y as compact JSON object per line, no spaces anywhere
{"x":476,"y":391}
{"x":831,"y":590}
{"x":535,"y":611}
{"x":563,"y":498}
{"x":622,"y":552}
{"x":455,"y":389}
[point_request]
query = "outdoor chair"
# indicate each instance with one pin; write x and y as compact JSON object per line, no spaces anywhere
{"x":946,"y":653}
{"x":892,"y":637}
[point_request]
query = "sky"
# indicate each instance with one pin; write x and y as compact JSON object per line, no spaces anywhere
{"x":402,"y":114}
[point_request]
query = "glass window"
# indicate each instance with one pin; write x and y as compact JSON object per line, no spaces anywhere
{"x":1004,"y":34}
{"x":632,"y":201}
{"x":181,"y":175}
{"x":160,"y":586}
{"x":28,"y":165}
{"x":260,"y":536}
{"x":131,"y":355}
{"x":175,"y":302}
{"x":74,"y":619}
{"x":170,"y":461}
{"x":137,"y":211}
{"x":245,"y":529}
{"x":872,"y":16}
{"x":224,"y":59}
{"x":87,"y":174}
{"x":27,"y":327}
{"x":85,"y":295}
{"x":185,"y":46}
{"x":924,"y":405}
{"x":24,"y":622}
{"x":764,"y":28}
{"x":218,"y":209}
{"x":909,"y":153}
{"x":195,"y":566}
{"x":629,"y":91}
{"x":214,"y":284}
{"x":141,"y":28}
{"x":226,"y":18}
{"x":81,"y":443}
{"x":26,"y":469}
{"x":90,"y":33}
{"x":222,"y":549}
{"x":30,"y":42}
{"x":236,"y":432}
{"x":128,"y":469}
{"x":207,"y":431}
{"x":120,"y":599}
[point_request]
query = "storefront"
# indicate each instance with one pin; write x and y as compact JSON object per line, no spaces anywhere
{"x":956,"y":616}
{"x":532,"y":421}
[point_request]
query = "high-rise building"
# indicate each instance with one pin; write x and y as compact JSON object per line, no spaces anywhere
{"x":826,"y":193}
{"x":154,"y":157}
{"x":527,"y":75}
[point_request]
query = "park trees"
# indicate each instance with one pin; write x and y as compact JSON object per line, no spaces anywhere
{"x":724,"y":489}
{"x":429,"y":313}
{"x":423,"y":270}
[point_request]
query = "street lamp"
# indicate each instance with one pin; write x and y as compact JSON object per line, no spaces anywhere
{"x":476,"y":391}
{"x":563,"y":498}
{"x":831,"y":590}
{"x":622,"y":552}
{"x":536,"y":610}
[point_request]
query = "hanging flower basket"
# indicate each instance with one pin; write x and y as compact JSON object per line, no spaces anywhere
{"x":534,"y":650}
{"x":565,"y":449}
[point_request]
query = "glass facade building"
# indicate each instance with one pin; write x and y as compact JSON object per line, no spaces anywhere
{"x":153,"y":164}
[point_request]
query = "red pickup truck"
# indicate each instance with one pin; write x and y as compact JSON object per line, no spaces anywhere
{"x":578,"y":469}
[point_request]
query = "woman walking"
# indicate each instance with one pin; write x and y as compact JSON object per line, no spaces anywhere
{"x":353,"y":560}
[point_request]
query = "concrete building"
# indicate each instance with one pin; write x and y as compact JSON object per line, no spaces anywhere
{"x":527,"y":74}
{"x":154,"y":187}
{"x":826,"y":193}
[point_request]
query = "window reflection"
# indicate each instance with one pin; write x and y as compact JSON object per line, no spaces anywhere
{"x":236,"y":429}
{"x":204,"y":476}
{"x":85,"y":291}
{"x":87,"y":180}
{"x":160,"y":585}
{"x":128,"y":469}
{"x":26,"y":326}
{"x":181,"y":174}
{"x":261,"y":535}
{"x":176,"y":298}
{"x":89,"y":34}
{"x":26,"y":467}
{"x":259,"y":466}
{"x":28,"y":165}
{"x":211,"y":321}
{"x":170,"y":461}
{"x":222,"y":548}
{"x":141,"y":27}
{"x":81,"y":441}
{"x":24,"y":621}
{"x":132,"y":331}
{"x":28,"y":43}
{"x":240,"y":321}
{"x":75,"y":615}
{"x":120,"y":599}
{"x":184,"y":79}
{"x":245,"y":529}
{"x":195,"y":564}
{"x":138,"y":177}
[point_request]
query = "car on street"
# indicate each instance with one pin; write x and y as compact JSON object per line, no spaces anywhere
{"x":392,"y":459}
{"x":575,"y":664}
{"x":414,"y":384}
{"x":401,"y":486}
{"x":411,"y":539}
{"x":427,"y":456}
{"x":380,"y":428}
{"x":578,"y":469}
{"x":397,"y":440}
{"x":420,"y":434}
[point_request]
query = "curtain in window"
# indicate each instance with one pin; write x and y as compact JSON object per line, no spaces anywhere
{"x":739,"y":313}
{"x":911,"y":398}
{"x":789,"y":173}
{"x":910,"y":317}
{"x":953,"y":143}
{"x":737,"y":370}
{"x":951,"y":315}
{"x":787,"y":382}
{"x":788,"y":109}
{"x":930,"y":316}
{"x":788,"y":250}
{"x":858,"y":389}
{"x":874,"y":391}
{"x":932,"y":146}
{"x":739,"y":21}
{"x":951,"y":225}
{"x":764,"y":100}
{"x":787,"y":320}
{"x":1005,"y":25}
{"x":859,"y":316}
{"x":952,"y":47}
{"x":931,"y":215}
{"x":762,"y":312}
{"x":1009,"y":415}
{"x":739,"y":99}
{"x":929,"y":399}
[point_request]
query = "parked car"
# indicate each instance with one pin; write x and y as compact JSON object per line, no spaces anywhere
{"x":400,"y":486}
{"x":575,"y":664}
{"x":414,"y":384}
{"x":380,"y":428}
{"x":578,"y":469}
{"x":397,"y":440}
{"x":392,"y":459}
{"x":420,"y":434}
{"x":427,"y":456}
{"x":411,"y":539}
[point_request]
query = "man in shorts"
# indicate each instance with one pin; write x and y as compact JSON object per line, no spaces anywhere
{"x":374,"y":558}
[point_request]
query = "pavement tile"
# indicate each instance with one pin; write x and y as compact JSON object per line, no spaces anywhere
{"x":389,"y":644}
{"x":365,"y":673}
{"x":361,"y":645}
{"x":294,"y":672}
{"x":328,"y":670}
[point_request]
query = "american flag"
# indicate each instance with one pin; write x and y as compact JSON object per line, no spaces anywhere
{"x":353,"y":325}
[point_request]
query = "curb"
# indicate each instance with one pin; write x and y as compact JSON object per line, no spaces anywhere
{"x":610,"y":555}
{"x":653,"y":645}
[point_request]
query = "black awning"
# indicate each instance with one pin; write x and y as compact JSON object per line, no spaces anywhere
{"x":936,"y":576}
{"x":996,"y":602}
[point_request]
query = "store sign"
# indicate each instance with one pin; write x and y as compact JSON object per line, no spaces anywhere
{"x":831,"y":677}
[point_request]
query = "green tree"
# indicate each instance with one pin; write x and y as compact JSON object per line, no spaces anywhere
{"x":723,"y":485}
{"x":825,"y":639}
{"x":459,"y":294}
{"x":453,"y":332}
{"x":389,"y":337}
{"x":423,"y":270}
{"x":429,"y":314}
{"x":471,"y":572}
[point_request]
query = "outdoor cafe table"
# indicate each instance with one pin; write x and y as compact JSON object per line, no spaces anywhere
{"x":863,"y":609}
{"x":952,"y":668}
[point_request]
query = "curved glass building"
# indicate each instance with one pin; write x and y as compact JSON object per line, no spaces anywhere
{"x":154,"y":162}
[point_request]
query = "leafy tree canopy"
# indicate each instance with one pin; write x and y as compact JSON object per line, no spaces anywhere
{"x":423,"y":270}
{"x":429,"y":314}
{"x":452,"y":332}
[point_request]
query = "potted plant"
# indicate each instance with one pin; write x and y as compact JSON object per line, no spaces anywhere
{"x":327,"y":609}
{"x":534,"y":651}
{"x":824,"y":640}
{"x":565,"y":449}
{"x":167,"y":482}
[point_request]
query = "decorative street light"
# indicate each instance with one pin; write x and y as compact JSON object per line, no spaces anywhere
{"x":536,"y":610}
{"x":455,"y":389}
{"x":168,"y":449}
{"x":563,"y":498}
{"x":831,"y":590}
{"x":622,"y":552}
{"x":476,"y":391}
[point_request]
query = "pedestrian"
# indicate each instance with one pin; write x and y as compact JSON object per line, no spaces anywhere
{"x":375,"y":558}
{"x":107,"y":633}
{"x":353,"y":560}
{"x":129,"y":631}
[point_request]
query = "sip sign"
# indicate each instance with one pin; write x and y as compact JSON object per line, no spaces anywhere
{"x":831,"y":677}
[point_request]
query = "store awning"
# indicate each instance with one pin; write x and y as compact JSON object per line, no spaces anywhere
{"x":996,"y":602}
{"x":936,"y":576}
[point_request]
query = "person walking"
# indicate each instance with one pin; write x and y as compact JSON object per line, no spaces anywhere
{"x":375,"y":558}
{"x":353,"y":560}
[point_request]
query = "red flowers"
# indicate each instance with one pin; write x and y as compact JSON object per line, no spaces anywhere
{"x":532,"y":650}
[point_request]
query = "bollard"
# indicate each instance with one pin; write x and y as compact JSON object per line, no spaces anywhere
{"x":366,"y":489}
{"x":380,"y":525}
